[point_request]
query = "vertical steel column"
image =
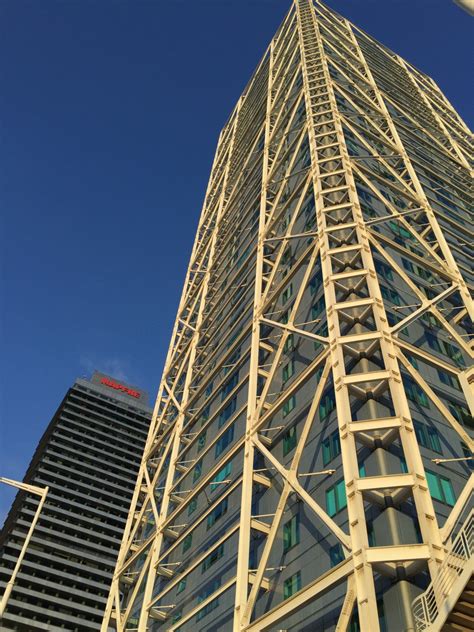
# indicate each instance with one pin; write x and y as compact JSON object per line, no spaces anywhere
{"x":421,"y":495}
{"x":335,"y":189}
{"x":322,"y":112}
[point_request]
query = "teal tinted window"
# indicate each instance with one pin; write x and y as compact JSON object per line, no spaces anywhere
{"x":433,"y":439}
{"x":440,"y":488}
{"x":288,"y":370}
{"x":217,"y":513}
{"x":289,"y":344}
{"x":336,"y":555}
{"x":327,"y":457}
{"x":224,"y":441}
{"x":449,"y":380}
{"x":188,"y":540}
{"x":461,"y":413}
{"x":286,"y":258}
{"x":341,"y":495}
{"x":227,"y":412}
{"x":415,"y":393}
{"x":287,"y":293}
{"x":318,"y":308}
{"x":331,"y":501}
{"x":292,"y":585}
{"x":384,"y":270}
{"x":212,"y":605}
{"x":331,"y":447}
{"x":221,"y":476}
{"x":291,"y":533}
{"x":289,"y":441}
{"x":229,"y":385}
{"x":336,"y":498}
{"x":326,"y":406}
{"x":232,"y":360}
{"x":204,"y":594}
{"x":212,"y":558}
{"x":176,"y":616}
{"x":448,"y":492}
{"x":390,"y":295}
{"x":289,"y":405}
{"x":204,"y":416}
{"x":201,"y":442}
{"x":197,"y":471}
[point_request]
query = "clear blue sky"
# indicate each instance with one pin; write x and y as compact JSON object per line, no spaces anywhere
{"x":111,"y":110}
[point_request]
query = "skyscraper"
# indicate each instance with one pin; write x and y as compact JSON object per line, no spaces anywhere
{"x":89,"y":457}
{"x":309,"y":456}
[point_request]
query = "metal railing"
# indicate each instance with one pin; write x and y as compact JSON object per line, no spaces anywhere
{"x":429,"y":605}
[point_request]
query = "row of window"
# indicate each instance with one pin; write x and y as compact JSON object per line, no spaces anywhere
{"x":290,"y":587}
{"x":220,"y":478}
{"x":440,"y":488}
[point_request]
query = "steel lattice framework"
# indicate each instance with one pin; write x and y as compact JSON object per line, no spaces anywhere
{"x":326,"y":304}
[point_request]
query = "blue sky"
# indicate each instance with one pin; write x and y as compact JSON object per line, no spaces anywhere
{"x":111,"y":111}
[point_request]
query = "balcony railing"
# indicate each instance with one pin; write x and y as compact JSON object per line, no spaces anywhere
{"x":435,"y":604}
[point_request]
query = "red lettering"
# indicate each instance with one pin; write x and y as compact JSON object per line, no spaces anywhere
{"x":120,"y":387}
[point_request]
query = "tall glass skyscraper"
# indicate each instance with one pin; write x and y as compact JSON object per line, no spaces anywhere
{"x":89,"y":458}
{"x":309,"y":457}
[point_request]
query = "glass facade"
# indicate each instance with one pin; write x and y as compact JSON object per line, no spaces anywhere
{"x":326,"y":303}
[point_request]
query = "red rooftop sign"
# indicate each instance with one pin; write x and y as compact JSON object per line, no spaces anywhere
{"x":120,"y":387}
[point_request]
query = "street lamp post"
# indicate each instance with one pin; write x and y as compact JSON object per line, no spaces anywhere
{"x":42,"y":492}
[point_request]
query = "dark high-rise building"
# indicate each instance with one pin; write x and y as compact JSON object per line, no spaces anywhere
{"x":308,"y":468}
{"x":89,"y":458}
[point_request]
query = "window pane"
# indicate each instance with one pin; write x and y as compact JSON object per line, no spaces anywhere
{"x":292,"y":585}
{"x":187,"y":542}
{"x":341,"y":500}
{"x":289,"y":344}
{"x":435,"y":443}
{"x":448,"y":491}
{"x":221,"y":476}
{"x":227,"y":412}
{"x":289,"y":405}
{"x":224,"y":441}
{"x":197,"y":471}
{"x":326,"y":452}
{"x":288,"y":370}
{"x":331,"y":501}
{"x":291,"y":535}
{"x":434,"y":486}
{"x":201,"y":441}
{"x":420,"y":434}
{"x":289,"y":441}
{"x":336,"y":555}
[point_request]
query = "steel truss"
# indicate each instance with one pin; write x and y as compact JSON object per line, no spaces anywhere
{"x":328,"y":113}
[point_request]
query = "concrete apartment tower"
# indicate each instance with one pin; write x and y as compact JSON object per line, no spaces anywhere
{"x":309,"y":462}
{"x":89,"y":457}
